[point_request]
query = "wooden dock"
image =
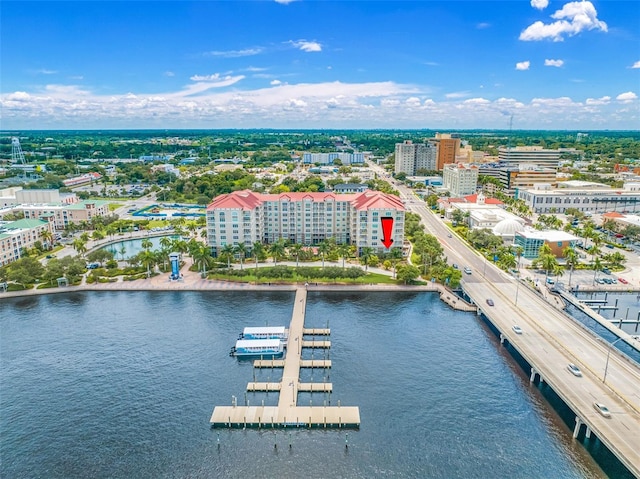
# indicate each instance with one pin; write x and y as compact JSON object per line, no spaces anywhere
{"x":316,"y":332}
{"x":301,"y":387}
{"x":287,"y":413}
{"x":304,"y":363}
{"x":316,"y":344}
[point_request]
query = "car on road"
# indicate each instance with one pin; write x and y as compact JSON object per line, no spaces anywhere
{"x":602,"y":409}
{"x":575,"y":370}
{"x":49,"y":256}
{"x":490,"y":302}
{"x":455,"y":266}
{"x":449,"y":235}
{"x":516,"y":329}
{"x":551,"y":281}
{"x":623,"y":281}
{"x":467,"y":270}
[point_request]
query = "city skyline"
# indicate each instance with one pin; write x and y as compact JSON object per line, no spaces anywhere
{"x":300,"y":64}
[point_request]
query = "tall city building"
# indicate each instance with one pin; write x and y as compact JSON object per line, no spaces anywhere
{"x":303,"y":218}
{"x":460,"y":179}
{"x":448,"y":149}
{"x":529,"y":155}
{"x":411,"y":157}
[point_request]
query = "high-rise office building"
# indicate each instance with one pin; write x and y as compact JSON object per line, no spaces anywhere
{"x":411,"y":157}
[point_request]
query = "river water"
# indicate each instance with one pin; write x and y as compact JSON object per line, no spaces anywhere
{"x":123,"y":384}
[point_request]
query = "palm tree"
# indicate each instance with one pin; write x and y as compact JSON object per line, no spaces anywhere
{"x":147,"y":257}
{"x":549,"y":263}
{"x":241,"y":250}
{"x":571,"y":259}
{"x":47,"y":237}
{"x":277,"y":250}
{"x":227,"y":251}
{"x":202,"y":258}
{"x":297,"y":249}
{"x":344,"y":250}
{"x":122,"y":251}
{"x":80,"y":246}
{"x":365,"y":256}
{"x":323,"y":248}
{"x":165,"y":242}
{"x":146,"y":244}
{"x":395,"y":255}
{"x":257,"y":250}
{"x":597,"y":266}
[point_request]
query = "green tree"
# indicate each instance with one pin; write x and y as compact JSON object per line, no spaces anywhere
{"x":296,"y":249}
{"x":344,"y":250}
{"x":407,"y":273}
{"x":323,"y":248}
{"x":395,"y":255}
{"x":227,"y":253}
{"x":365,"y":256}
{"x":241,"y":251}
{"x":257,"y":250}
{"x":277,"y":250}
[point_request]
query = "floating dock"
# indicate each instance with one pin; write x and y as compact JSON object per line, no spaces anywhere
{"x":287,"y":413}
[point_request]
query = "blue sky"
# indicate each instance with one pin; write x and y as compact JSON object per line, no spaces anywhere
{"x":320,"y":64}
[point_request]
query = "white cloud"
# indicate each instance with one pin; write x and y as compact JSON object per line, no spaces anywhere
{"x":636,"y":65}
{"x":539,"y":4}
{"x":476,"y":101}
{"x":309,"y":105}
{"x":483,"y":25}
{"x":627,"y":97}
{"x":284,"y":2}
{"x":605,"y":100}
{"x":573,"y":18}
{"x":275,"y":82}
{"x":169,"y":74}
{"x":432,"y":64}
{"x":43,"y":71}
{"x":247,"y":52}
{"x":307,"y":46}
{"x":553,"y":63}
{"x":523,"y":65}
{"x":456,"y":94}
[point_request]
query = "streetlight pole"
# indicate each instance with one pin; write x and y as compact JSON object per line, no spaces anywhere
{"x":606,"y":366}
{"x":517,"y":287}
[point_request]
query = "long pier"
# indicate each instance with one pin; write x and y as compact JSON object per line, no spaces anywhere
{"x":287,"y":413}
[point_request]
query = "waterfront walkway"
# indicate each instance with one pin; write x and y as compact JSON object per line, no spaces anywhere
{"x":288,"y":413}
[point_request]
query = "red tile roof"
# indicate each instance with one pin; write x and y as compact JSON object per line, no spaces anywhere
{"x":248,"y":200}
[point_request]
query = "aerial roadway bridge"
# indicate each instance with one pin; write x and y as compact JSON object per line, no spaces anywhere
{"x":549,"y":341}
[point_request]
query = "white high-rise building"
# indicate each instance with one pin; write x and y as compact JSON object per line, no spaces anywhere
{"x":460,"y":179}
{"x":411,"y":157}
{"x":529,"y":155}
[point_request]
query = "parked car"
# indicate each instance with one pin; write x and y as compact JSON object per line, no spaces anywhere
{"x":575,"y":370}
{"x":490,"y":302}
{"x":517,"y":329}
{"x":623,"y":281}
{"x":467,"y":270}
{"x":455,"y":266}
{"x":606,"y":270}
{"x":602,"y":409}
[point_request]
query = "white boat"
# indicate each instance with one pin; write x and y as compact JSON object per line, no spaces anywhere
{"x":268,"y":332}
{"x":258,"y":347}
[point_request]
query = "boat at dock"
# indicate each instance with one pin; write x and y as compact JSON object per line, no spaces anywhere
{"x":258,"y":347}
{"x":268,"y":332}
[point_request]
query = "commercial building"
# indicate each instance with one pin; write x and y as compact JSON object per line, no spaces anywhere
{"x":303,"y":218}
{"x":346,"y":188}
{"x":16,"y":236}
{"x":529,"y":155}
{"x":87,"y":178}
{"x":531,"y":240}
{"x":64,"y":214}
{"x":448,"y":147}
{"x":583,"y":196}
{"x":460,"y":179}
{"x":517,"y":177}
{"x":329,"y":158}
{"x":411,"y":157}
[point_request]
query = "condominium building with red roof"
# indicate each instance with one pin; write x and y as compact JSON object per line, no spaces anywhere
{"x":304,"y":218}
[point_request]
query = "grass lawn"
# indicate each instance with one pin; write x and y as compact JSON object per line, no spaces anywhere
{"x":370,"y":278}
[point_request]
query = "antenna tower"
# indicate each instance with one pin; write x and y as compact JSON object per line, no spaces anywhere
{"x":17,"y":156}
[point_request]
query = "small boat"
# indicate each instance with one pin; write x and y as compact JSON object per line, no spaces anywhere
{"x":269,"y":332}
{"x":257,"y":347}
